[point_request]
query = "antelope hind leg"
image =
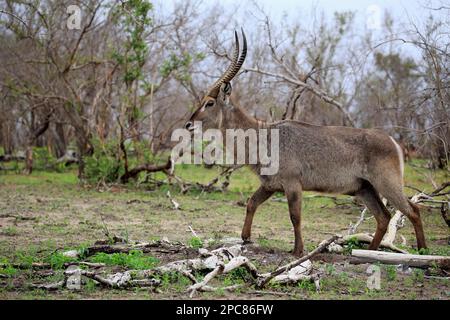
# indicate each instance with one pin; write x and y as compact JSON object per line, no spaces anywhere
{"x":261,"y":195}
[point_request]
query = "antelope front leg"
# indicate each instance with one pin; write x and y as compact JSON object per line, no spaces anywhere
{"x":261,"y":195}
{"x":294,"y":197}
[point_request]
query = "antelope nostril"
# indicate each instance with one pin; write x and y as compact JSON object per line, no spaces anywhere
{"x":188,"y":125}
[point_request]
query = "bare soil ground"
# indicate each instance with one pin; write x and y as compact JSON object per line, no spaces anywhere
{"x":49,"y":212}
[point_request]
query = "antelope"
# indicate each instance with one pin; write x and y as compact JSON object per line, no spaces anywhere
{"x":364,"y":163}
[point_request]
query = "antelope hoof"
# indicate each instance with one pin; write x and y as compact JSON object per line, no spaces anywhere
{"x":298,"y":253}
{"x":422,"y":247}
{"x":246,"y":241}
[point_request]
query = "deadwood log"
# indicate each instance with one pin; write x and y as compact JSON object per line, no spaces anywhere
{"x":67,"y":160}
{"x":222,"y":268}
{"x":145,"y":168}
{"x":264,"y":279}
{"x":9,"y":158}
{"x":163,"y":246}
{"x":43,"y":266}
{"x":215,"y":262}
{"x":175,"y":204}
{"x":412,"y":260}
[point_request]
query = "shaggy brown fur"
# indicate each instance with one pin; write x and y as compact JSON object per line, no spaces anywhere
{"x":360,"y":162}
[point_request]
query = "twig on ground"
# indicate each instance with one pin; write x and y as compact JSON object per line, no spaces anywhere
{"x":176,"y":205}
{"x":361,"y":219}
{"x":193,"y":232}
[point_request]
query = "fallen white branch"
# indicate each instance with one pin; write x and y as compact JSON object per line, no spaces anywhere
{"x":300,"y":273}
{"x":39,"y":265}
{"x":367,"y":238}
{"x":216,"y":262}
{"x":193,"y":232}
{"x":119,"y":280}
{"x":176,"y":205}
{"x":413,"y":260}
{"x":194,"y":288}
{"x":264,"y":279}
{"x":361,"y":219}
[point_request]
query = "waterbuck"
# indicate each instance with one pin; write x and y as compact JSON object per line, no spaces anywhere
{"x":365,"y":163}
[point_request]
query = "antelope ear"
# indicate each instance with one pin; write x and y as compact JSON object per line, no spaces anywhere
{"x":226,"y":89}
{"x":224,"y":94}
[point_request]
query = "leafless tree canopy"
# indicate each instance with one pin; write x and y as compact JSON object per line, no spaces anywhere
{"x":122,"y":76}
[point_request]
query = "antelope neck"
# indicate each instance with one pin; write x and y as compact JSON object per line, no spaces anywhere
{"x":237,"y":118}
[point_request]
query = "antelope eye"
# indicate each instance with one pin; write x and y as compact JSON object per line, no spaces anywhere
{"x":209,"y":104}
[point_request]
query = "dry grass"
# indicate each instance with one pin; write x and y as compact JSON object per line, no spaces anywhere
{"x":50,"y":211}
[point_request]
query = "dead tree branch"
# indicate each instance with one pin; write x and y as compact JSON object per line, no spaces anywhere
{"x":316,"y":91}
{"x":216,"y":262}
{"x":266,"y":278}
{"x":149,"y":168}
{"x":413,"y":260}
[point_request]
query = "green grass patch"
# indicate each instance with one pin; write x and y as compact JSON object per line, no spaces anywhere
{"x":135,"y":259}
{"x":40,"y":178}
{"x":26,"y":258}
{"x":173,"y":280}
{"x":9,"y":231}
{"x":57,"y":260}
{"x":351,"y":244}
{"x":68,"y":215}
{"x":196,"y":242}
{"x":6,"y":268}
{"x":391,"y":272}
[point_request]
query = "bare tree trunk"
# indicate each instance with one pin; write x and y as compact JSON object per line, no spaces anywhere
{"x":59,"y":139}
{"x":84,"y":149}
{"x":7,"y":141}
{"x":28,"y":160}
{"x":32,"y":140}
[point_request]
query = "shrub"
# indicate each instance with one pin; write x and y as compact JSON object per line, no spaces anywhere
{"x":57,"y":260}
{"x":196,"y":242}
{"x":6,"y":268}
{"x":104,"y":164}
{"x":135,"y":259}
{"x":43,"y":159}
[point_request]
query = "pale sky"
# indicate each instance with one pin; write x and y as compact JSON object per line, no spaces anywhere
{"x":279,"y":6}
{"x":400,"y":9}
{"x":369,"y":13}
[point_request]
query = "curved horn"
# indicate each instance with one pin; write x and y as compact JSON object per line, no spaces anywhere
{"x":239,"y":63}
{"x":214,"y":91}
